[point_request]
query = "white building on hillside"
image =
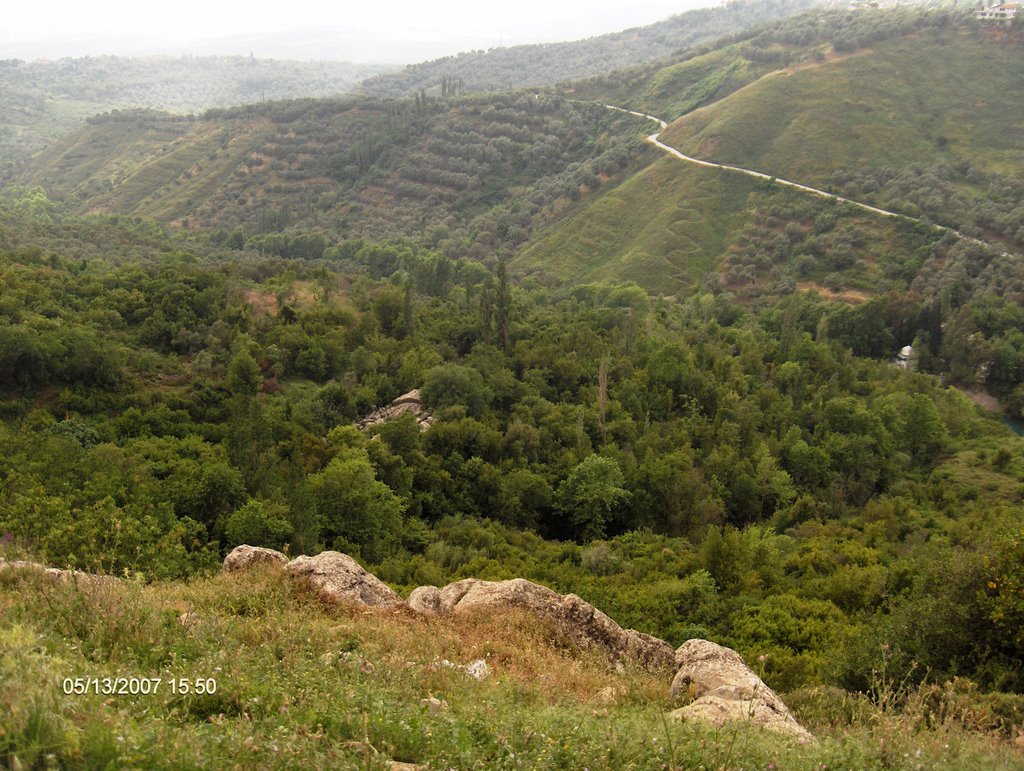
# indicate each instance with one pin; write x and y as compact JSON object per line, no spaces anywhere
{"x":1000,"y":13}
{"x":903,"y":358}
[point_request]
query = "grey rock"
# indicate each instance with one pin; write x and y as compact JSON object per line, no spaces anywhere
{"x":727,"y":690}
{"x":573,"y":617}
{"x":425,"y":599}
{"x":244,"y":557}
{"x":434,"y":705}
{"x":336,"y":577}
{"x":406,"y":404}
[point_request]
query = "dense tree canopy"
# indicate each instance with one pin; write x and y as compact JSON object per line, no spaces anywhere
{"x":697,"y":468}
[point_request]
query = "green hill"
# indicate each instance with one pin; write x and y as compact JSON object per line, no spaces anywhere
{"x":708,"y":73}
{"x":43,"y":101}
{"x":674,"y":228}
{"x":660,"y":228}
{"x":471,"y":173}
{"x":903,"y":108}
{"x":913,"y":110}
{"x":528,"y":66}
{"x":941,"y":94}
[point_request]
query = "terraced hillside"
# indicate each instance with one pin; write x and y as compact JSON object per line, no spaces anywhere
{"x":43,"y":101}
{"x":661,"y":228}
{"x":873,"y":106}
{"x":356,"y":168}
{"x":706,"y":74}
{"x":675,"y":228}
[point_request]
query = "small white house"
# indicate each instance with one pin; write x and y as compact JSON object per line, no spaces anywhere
{"x":903,"y":357}
{"x":999,"y":13}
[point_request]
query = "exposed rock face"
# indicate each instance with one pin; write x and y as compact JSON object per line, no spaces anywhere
{"x":578,"y":620}
{"x":728,"y":690}
{"x":339,"y":578}
{"x":409,"y":403}
{"x":243,"y":557}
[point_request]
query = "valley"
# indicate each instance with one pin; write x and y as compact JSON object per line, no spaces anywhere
{"x":473,"y":325}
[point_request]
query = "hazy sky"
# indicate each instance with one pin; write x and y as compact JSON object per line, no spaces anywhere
{"x":393,"y":30}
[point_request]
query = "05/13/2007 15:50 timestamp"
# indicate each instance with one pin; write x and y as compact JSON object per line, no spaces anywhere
{"x":137,"y":686}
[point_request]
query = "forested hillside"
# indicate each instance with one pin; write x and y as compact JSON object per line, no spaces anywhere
{"x":922,"y":123}
{"x":904,"y":109}
{"x":667,"y":389}
{"x":569,"y":189}
{"x":525,"y":66}
{"x":43,"y":101}
{"x":693,"y":467}
{"x":469,"y":174}
{"x":704,"y":74}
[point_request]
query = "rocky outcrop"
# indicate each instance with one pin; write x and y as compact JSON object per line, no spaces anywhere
{"x":574,"y":618}
{"x":723,"y":687}
{"x":406,"y":404}
{"x":336,"y":577}
{"x":244,"y":557}
{"x":56,"y":574}
{"x":727,"y":690}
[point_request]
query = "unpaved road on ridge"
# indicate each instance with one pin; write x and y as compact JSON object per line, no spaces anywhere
{"x":656,"y":141}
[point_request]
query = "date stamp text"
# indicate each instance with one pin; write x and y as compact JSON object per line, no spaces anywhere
{"x":137,"y":686}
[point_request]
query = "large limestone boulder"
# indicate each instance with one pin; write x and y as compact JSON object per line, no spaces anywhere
{"x":727,"y":690}
{"x":426,"y":599}
{"x":575,"y":618}
{"x":406,"y":404}
{"x":244,"y":557}
{"x":337,"y":577}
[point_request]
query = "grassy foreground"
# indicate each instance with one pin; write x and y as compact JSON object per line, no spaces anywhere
{"x":299,"y":684}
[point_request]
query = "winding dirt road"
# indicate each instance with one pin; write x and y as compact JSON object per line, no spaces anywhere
{"x":655,"y":140}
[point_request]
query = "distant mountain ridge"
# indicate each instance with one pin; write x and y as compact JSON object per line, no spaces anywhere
{"x":45,"y":100}
{"x":843,"y":101}
{"x":527,"y":66}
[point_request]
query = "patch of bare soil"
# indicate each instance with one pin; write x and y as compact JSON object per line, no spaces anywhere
{"x":983,"y":399}
{"x":263,"y":303}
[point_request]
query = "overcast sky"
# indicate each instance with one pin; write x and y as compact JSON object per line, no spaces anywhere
{"x":394,"y":30}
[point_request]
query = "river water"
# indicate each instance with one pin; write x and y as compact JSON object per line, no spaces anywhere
{"x":1017,"y":426}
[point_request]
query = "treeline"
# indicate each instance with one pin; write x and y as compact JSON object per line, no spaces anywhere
{"x":442,"y":160}
{"x":43,"y":101}
{"x":945,"y":193}
{"x":525,"y":66}
{"x":844,"y":30}
{"x":702,"y":74}
{"x":955,"y":300}
{"x":691,"y":468}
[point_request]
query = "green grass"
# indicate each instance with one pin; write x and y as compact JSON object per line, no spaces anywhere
{"x":930,"y":96}
{"x":303,"y":685}
{"x":662,"y":228}
{"x":681,"y":88}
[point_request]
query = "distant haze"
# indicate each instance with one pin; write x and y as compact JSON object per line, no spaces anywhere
{"x":399,"y":31}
